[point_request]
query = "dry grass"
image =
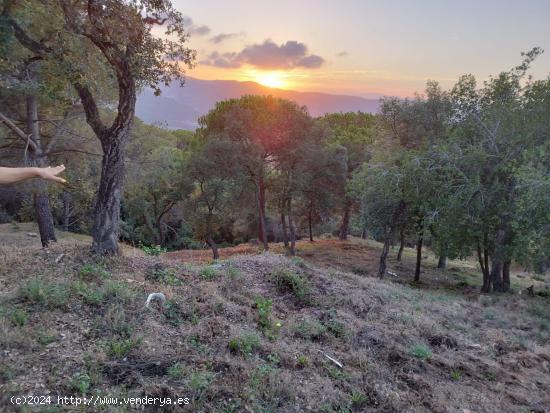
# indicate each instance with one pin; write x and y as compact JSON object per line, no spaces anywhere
{"x":402,"y":347}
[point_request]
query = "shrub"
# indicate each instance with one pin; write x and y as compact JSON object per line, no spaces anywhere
{"x":163,"y":275}
{"x":121,"y":348}
{"x":456,"y":375}
{"x":90,"y":295}
{"x":288,"y":280}
{"x":208,"y":272}
{"x":18,"y":317}
{"x":244,"y":344}
{"x":80,"y":383}
{"x":119,"y":290}
{"x":310,"y":330}
{"x":420,"y":351}
{"x":263,"y":305}
{"x":153,"y":249}
{"x":38,"y":291}
{"x":90,"y":270}
{"x":176,"y":371}
{"x":302,"y":361}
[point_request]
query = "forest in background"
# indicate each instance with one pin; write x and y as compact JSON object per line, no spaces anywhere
{"x":462,"y":171}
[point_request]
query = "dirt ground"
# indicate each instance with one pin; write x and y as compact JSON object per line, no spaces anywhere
{"x":262,"y":332}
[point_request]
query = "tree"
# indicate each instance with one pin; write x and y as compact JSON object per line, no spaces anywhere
{"x":355,"y":133}
{"x":262,"y":128}
{"x":119,"y":35}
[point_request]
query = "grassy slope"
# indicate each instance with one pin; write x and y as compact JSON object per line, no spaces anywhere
{"x":79,"y":326}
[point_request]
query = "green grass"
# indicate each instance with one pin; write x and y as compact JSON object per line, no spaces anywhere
{"x":176,"y":371}
{"x":120,"y":348}
{"x":288,"y":280}
{"x":310,"y":330}
{"x":48,"y":294}
{"x":80,"y":383}
{"x":420,"y":351}
{"x":18,"y":317}
{"x":208,"y":272}
{"x":244,"y":344}
{"x":91,"y":271}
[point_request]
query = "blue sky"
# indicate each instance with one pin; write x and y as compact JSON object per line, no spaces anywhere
{"x":365,"y":47}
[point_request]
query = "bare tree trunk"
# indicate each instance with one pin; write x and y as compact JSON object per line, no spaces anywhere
{"x":365,"y":233}
{"x":107,"y":206}
{"x":384,"y":256}
{"x":212,"y":244}
{"x":344,"y":227}
{"x":419,"y":252}
{"x":284,"y":229}
{"x":506,"y":275}
{"x":292,"y":229}
{"x":260,"y":195}
{"x":389,"y":236}
{"x":497,"y":261}
{"x":442,"y":262}
{"x":41,"y":202}
{"x":401,"y":243}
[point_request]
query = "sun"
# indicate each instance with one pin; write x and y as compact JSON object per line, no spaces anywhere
{"x":271,"y":79}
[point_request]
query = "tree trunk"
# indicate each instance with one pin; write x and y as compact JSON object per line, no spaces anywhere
{"x":401,"y":243}
{"x":212,"y":244}
{"x":388,"y":238}
{"x":506,"y":275}
{"x":384,"y":256}
{"x":37,"y":158}
{"x":292,"y":229}
{"x":260,"y":195}
{"x":107,"y":206}
{"x":284,"y":229}
{"x":497,"y":261}
{"x":365,"y":233}
{"x":344,"y":227}
{"x":419,"y":252}
{"x":442,"y":262}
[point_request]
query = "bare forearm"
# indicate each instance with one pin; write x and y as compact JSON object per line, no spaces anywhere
{"x":13,"y":175}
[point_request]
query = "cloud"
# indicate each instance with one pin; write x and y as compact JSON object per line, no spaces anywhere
{"x":217,"y":39}
{"x":343,"y":53}
{"x":195,"y":30}
{"x":268,"y":55}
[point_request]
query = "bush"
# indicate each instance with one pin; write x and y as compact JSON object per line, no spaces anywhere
{"x":263,"y":305}
{"x":90,"y":271}
{"x":288,"y":280}
{"x":153,"y":249}
{"x":244,"y":344}
{"x":90,"y":295}
{"x":208,"y":272}
{"x":80,"y":383}
{"x":163,"y":275}
{"x":51,"y":295}
{"x":121,"y":348}
{"x":310,"y":330}
{"x":18,"y":317}
{"x":420,"y":351}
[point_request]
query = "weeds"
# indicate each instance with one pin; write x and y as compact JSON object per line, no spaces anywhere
{"x":80,"y":383}
{"x":51,"y":295}
{"x":18,"y":317}
{"x":264,"y":305}
{"x":420,"y":351}
{"x":208,"y":273}
{"x":244,"y":344}
{"x":288,"y":280}
{"x":91,"y":271}
{"x":310,"y":330}
{"x":121,"y":348}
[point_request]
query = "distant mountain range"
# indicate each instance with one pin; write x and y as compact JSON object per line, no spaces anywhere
{"x":180,"y":108}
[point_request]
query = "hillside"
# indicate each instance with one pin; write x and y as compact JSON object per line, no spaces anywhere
{"x":265,"y":333}
{"x":180,"y":107}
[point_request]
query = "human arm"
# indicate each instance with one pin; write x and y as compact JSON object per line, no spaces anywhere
{"x":13,"y":175}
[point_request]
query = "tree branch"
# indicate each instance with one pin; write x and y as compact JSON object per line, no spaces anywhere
{"x":14,"y":128}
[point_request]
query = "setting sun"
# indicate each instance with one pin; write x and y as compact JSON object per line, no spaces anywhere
{"x":271,"y":79}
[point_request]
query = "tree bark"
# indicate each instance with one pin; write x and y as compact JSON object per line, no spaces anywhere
{"x":260,"y":195}
{"x":442,"y":262}
{"x":107,"y":206}
{"x":388,"y":238}
{"x":401,"y":243}
{"x":344,"y":227}
{"x":284,"y":229}
{"x":292,"y":229}
{"x":419,"y":252}
{"x":506,"y":275}
{"x":497,"y":261}
{"x":212,"y":244}
{"x":365,"y":233}
{"x":37,"y":158}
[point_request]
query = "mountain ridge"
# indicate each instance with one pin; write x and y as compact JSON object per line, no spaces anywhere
{"x":180,"y":107}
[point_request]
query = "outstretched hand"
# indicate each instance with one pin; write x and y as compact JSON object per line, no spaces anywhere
{"x":50,"y":173}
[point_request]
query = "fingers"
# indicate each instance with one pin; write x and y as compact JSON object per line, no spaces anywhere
{"x":50,"y":173}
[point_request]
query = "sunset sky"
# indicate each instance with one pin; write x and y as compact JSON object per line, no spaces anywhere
{"x":362,"y":47}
